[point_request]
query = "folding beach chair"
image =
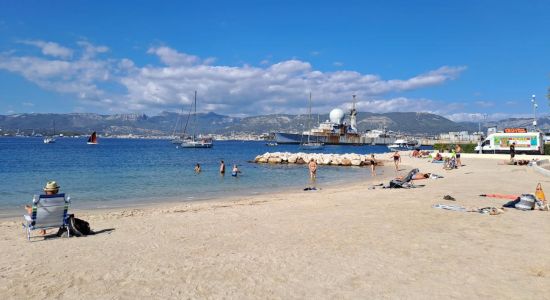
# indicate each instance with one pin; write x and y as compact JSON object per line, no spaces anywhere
{"x":48,"y":211}
{"x":406,"y":182}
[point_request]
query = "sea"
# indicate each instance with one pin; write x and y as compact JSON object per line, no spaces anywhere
{"x":131,"y":172}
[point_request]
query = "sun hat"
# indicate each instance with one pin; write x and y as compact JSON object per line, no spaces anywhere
{"x":51,"y":186}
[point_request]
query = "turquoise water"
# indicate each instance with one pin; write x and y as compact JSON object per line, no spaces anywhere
{"x":122,"y":172}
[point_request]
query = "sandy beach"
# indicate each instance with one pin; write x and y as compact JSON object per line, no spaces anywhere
{"x":343,"y":242}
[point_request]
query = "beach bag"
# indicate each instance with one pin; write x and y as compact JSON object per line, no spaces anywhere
{"x":78,"y":227}
{"x":526,"y":202}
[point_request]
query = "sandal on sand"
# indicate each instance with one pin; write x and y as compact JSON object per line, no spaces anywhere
{"x":449,"y":197}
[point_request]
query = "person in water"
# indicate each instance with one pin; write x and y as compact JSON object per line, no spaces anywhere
{"x":396,"y":159}
{"x":235,"y":171}
{"x":51,"y":188}
{"x":372,"y":165}
{"x":197,"y":168}
{"x":222,"y":168}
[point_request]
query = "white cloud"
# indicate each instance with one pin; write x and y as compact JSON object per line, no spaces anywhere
{"x":50,"y":48}
{"x":337,"y":64}
{"x":119,"y":85}
{"x":28,"y":104}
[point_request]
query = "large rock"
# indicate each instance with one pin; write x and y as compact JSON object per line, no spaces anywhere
{"x":356,"y":162}
{"x":300,"y":161}
{"x":274,"y":160}
{"x":292,"y":159}
{"x":346,"y":162}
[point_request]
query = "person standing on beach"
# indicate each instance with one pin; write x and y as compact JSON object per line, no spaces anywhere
{"x":312,"y":166}
{"x":396,"y":160}
{"x":512,"y":151}
{"x":458,"y":151}
{"x":222,"y":168}
{"x":372,"y":165}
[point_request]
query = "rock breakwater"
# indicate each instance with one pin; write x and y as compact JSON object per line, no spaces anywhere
{"x":348,"y":159}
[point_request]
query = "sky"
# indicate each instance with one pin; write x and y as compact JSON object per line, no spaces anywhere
{"x":466,"y":60}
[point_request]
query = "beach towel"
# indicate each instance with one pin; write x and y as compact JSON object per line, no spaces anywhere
{"x":450,"y":207}
{"x":501,"y":196}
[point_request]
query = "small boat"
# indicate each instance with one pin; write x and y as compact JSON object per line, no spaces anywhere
{"x":194,"y":141}
{"x":312,"y":146}
{"x":200,"y":143}
{"x":271,"y":144}
{"x":50,"y":139}
{"x":92,"y":140}
{"x":403,"y":145}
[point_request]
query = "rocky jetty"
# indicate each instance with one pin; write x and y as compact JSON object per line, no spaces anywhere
{"x":348,"y":159}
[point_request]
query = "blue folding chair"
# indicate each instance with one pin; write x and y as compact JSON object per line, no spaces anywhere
{"x":48,"y":211}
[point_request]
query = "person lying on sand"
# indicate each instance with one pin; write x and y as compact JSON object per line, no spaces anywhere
{"x":420,"y":176}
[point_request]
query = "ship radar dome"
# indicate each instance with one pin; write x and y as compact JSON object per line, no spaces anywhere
{"x":336,"y":116}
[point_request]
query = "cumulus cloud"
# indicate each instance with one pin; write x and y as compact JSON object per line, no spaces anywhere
{"x":50,"y":48}
{"x":119,"y":85}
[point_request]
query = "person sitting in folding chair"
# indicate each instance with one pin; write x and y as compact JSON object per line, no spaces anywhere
{"x":48,"y":210}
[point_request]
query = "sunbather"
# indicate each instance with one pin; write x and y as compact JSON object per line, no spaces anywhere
{"x":51,"y":188}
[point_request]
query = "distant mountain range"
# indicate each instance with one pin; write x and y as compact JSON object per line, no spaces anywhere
{"x":212,"y":123}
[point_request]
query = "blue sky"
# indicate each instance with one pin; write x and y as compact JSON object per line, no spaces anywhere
{"x":460,"y":59}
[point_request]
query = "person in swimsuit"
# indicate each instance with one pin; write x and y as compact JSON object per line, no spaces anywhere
{"x":312,"y":166}
{"x":372,"y":165}
{"x":458,"y":150}
{"x":235,"y":171}
{"x":197,"y":168}
{"x":512,"y":151}
{"x":396,"y":159}
{"x":222,"y":168}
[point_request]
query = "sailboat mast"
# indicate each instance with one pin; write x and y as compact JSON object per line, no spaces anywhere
{"x":195,"y":119}
{"x":309,"y":119}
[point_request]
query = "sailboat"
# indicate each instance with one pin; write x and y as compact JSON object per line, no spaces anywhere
{"x":50,"y":139}
{"x":310,"y":145}
{"x":193,"y":141}
{"x":92,"y":140}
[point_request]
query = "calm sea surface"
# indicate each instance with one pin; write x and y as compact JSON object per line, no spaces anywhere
{"x":123,"y":172}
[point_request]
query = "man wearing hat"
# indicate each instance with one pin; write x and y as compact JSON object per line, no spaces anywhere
{"x":51,"y":188}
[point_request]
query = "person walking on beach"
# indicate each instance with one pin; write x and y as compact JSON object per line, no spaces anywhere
{"x":458,"y":151}
{"x":222,"y":168}
{"x":512,"y":151}
{"x":197,"y":168}
{"x":396,"y":160}
{"x":372,"y":165}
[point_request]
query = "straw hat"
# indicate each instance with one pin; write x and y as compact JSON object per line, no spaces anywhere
{"x":51,"y":186}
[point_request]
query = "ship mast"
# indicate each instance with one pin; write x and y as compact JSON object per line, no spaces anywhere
{"x":353,"y":116}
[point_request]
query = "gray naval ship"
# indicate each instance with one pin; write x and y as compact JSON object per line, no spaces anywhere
{"x":336,"y":131}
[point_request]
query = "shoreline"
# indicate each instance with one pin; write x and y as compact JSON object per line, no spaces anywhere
{"x":149,"y":203}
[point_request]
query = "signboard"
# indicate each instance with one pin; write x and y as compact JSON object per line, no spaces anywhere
{"x":515,"y":130}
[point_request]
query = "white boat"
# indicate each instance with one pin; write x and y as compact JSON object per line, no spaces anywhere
{"x":50,"y":139}
{"x":309,"y":144}
{"x":402,"y":145}
{"x":193,"y":141}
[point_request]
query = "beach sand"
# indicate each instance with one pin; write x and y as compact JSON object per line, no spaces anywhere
{"x":344,"y":242}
